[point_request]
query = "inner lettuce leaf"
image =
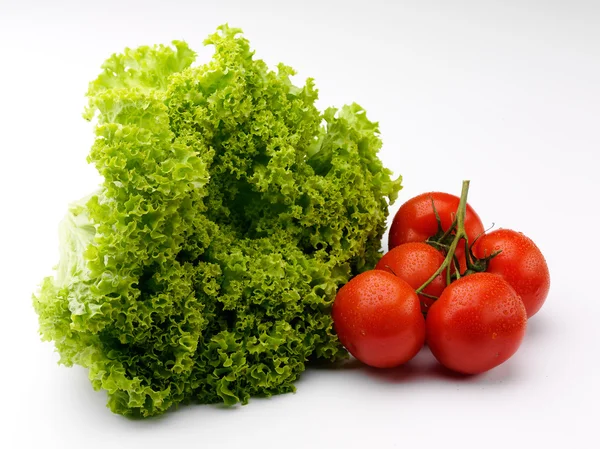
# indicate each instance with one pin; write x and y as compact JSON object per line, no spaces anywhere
{"x":204,"y":268}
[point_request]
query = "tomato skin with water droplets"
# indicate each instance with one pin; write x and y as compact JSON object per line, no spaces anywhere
{"x":377,"y":317}
{"x":415,"y":263}
{"x":415,"y":221}
{"x":478,"y":323}
{"x":521,"y":264}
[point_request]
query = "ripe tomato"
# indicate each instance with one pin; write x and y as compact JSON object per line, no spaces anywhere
{"x":378,"y":318}
{"x":415,"y":263}
{"x":415,"y":221}
{"x":520,"y":263}
{"x":477,"y":324}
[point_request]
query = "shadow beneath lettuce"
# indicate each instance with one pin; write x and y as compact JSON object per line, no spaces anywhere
{"x":342,"y":365}
{"x":422,"y":369}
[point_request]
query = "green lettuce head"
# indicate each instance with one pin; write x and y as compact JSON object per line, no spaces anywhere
{"x":204,"y":268}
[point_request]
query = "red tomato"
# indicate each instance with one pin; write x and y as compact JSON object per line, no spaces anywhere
{"x":521,"y":263}
{"x":415,"y":263}
{"x":378,"y":318}
{"x":478,"y":323}
{"x":415,"y":221}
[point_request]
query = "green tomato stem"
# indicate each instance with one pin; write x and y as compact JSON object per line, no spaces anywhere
{"x":459,"y":234}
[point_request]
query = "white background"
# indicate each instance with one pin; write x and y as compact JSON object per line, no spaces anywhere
{"x":506,"y":94}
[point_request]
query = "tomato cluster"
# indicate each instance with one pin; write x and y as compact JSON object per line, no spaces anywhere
{"x":446,"y":281}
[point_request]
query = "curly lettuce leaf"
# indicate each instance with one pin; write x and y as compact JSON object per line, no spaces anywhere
{"x":231,"y":210}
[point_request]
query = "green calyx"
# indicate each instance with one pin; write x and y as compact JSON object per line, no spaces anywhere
{"x":447,"y":241}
